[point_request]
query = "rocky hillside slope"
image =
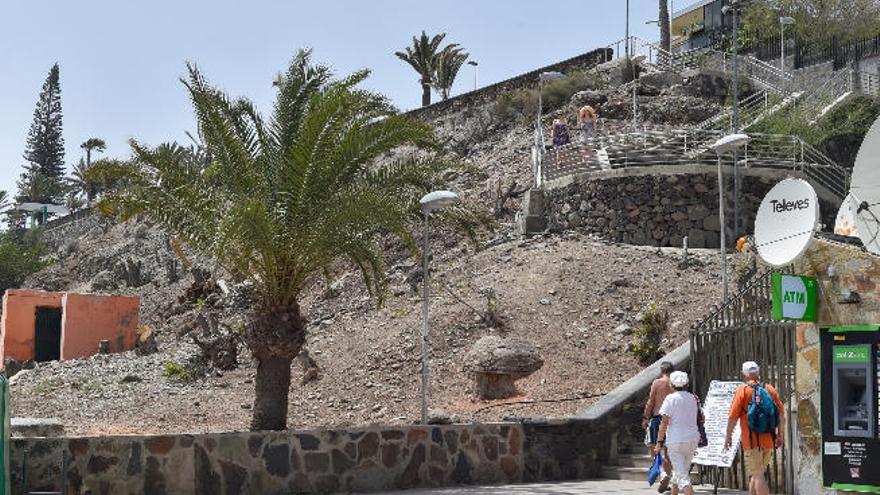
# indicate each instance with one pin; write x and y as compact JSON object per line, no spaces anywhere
{"x":576,"y":298}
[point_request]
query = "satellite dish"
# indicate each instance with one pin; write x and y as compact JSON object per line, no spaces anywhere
{"x":865,"y":190}
{"x":845,"y":223}
{"x":786,"y":220}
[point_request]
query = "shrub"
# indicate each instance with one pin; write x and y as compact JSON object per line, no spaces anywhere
{"x":646,"y":344}
{"x":20,"y":256}
{"x":177,"y":372}
{"x":522,"y":103}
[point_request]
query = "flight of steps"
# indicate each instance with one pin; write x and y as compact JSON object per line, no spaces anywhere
{"x":633,"y":462}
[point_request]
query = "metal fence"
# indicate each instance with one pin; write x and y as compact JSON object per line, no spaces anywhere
{"x":841,"y":53}
{"x":615,"y":148}
{"x":740,"y":331}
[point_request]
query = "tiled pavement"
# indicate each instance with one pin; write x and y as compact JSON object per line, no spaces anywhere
{"x":604,"y":487}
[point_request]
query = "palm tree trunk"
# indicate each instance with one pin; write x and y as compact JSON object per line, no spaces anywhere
{"x":271,"y":397}
{"x":665,"y":38}
{"x":426,"y":94}
{"x":275,"y":337}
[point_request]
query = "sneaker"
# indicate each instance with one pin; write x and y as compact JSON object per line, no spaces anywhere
{"x":664,"y":485}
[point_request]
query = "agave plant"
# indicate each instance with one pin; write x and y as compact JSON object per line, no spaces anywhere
{"x":281,"y":201}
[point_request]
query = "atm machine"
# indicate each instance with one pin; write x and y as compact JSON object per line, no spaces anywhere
{"x":849,"y":393}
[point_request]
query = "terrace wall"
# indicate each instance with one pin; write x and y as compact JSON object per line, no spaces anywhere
{"x":366,"y":459}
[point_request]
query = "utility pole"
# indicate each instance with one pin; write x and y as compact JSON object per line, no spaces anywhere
{"x":626,"y":39}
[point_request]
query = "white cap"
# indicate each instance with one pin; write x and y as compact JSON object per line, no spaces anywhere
{"x":750,"y":368}
{"x":679,"y":379}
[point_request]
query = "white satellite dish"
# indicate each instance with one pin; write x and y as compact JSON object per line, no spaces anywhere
{"x":786,"y":220}
{"x":845,"y":223}
{"x":865,"y":190}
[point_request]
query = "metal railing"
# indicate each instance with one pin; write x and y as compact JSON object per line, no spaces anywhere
{"x":742,"y":330}
{"x":648,"y":148}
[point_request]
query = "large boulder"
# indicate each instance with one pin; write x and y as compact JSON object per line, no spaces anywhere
{"x":496,"y":363}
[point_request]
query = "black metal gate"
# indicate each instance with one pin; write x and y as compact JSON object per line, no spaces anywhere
{"x":740,"y":331}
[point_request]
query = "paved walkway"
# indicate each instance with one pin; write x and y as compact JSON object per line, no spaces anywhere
{"x":605,"y":487}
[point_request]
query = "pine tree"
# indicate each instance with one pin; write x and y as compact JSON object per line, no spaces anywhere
{"x":45,"y":143}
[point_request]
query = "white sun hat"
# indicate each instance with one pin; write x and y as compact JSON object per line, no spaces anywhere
{"x":679,"y":379}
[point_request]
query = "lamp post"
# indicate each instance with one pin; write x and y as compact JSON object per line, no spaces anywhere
{"x":727,"y":144}
{"x":783,"y":21}
{"x":476,"y":67}
{"x":430,"y":202}
{"x":734,"y":124}
{"x":626,"y":38}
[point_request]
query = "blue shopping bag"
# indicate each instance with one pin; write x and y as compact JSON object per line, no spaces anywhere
{"x":656,"y":469}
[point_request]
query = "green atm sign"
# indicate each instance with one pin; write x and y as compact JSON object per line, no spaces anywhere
{"x":794,"y":297}
{"x":852,"y":354}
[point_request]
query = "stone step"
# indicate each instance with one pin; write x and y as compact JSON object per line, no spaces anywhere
{"x":635,"y":460}
{"x":625,"y":473}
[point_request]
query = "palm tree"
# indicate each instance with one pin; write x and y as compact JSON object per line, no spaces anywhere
{"x":80,"y":184}
{"x":422,"y":56}
{"x":284,"y":200}
{"x":450,"y":60}
{"x":5,"y":201}
{"x":96,"y":144}
{"x":665,"y":38}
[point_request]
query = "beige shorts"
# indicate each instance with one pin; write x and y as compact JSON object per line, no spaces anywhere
{"x":757,"y":460}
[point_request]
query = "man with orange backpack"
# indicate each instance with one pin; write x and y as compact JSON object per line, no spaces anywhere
{"x":760,"y":414}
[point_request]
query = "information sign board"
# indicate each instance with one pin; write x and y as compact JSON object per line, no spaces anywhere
{"x":716,"y":408}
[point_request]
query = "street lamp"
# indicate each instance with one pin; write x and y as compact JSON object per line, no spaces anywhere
{"x":430,"y":202}
{"x":783,"y":21}
{"x":728,"y":144}
{"x":734,"y":9}
{"x":476,"y":67}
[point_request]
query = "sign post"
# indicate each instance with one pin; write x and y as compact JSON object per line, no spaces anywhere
{"x":716,"y":408}
{"x":794,"y":297}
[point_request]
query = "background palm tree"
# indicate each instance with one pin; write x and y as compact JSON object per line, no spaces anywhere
{"x":5,"y":201}
{"x":284,"y":200}
{"x":450,"y":60}
{"x":665,"y":38}
{"x":93,"y":144}
{"x":422,"y":56}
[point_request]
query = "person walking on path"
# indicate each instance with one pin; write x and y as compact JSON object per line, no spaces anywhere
{"x":679,"y":432}
{"x":559,"y":135}
{"x":586,"y":120}
{"x":651,"y":418}
{"x":760,"y":414}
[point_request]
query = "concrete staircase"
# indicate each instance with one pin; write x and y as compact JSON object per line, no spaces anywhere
{"x":633,"y":461}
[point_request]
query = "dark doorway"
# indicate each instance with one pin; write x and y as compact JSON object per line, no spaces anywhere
{"x":47,"y":334}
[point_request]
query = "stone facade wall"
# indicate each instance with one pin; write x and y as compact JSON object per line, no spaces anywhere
{"x":322,"y":461}
{"x":857,"y":270}
{"x":653,"y":209}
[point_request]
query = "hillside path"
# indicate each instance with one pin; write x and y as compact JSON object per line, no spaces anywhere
{"x":605,"y":487}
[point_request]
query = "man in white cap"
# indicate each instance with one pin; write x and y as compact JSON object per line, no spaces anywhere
{"x":760,"y":414}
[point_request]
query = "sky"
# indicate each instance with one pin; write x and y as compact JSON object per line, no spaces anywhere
{"x":121,"y":60}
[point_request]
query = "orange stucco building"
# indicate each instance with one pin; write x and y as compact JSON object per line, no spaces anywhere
{"x":61,"y":325}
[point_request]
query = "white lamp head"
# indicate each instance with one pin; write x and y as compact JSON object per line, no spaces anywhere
{"x":438,"y":199}
{"x":786,"y":21}
{"x":730,"y":143}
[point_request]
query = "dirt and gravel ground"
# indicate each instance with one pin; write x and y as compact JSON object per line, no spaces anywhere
{"x":568,"y":294}
{"x":565,"y":294}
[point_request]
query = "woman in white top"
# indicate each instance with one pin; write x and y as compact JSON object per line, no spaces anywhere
{"x":679,"y":432}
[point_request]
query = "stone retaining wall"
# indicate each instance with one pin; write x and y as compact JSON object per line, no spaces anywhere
{"x":56,"y":233}
{"x":325,"y":461}
{"x":656,"y":209}
{"x":529,"y":79}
